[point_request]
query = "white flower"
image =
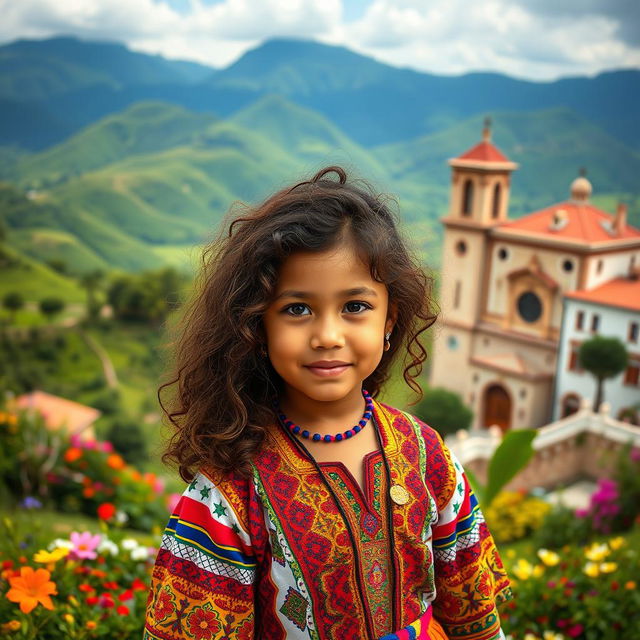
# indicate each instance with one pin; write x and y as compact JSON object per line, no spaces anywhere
{"x":139,"y":553}
{"x":60,"y":543}
{"x":121,"y":517}
{"x":108,"y":546}
{"x":129,"y":544}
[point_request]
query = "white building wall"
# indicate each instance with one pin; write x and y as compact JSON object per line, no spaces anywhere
{"x":601,"y":269}
{"x":614,"y":323}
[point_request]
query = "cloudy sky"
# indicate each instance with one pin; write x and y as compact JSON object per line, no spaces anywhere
{"x":537,"y":39}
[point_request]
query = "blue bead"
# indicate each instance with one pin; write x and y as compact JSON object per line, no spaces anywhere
{"x":349,"y":434}
{"x":367,"y":415}
{"x":357,"y":428}
{"x":362,"y":423}
{"x":328,"y":438}
{"x":296,"y":429}
{"x":339,"y":437}
{"x":305,"y":434}
{"x":316,"y":437}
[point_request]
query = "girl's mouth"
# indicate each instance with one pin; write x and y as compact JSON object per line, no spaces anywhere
{"x":328,"y":368}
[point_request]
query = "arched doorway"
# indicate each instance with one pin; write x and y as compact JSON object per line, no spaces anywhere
{"x":497,"y":407}
{"x":570,"y":404}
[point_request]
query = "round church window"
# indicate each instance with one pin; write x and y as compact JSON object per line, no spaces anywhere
{"x":529,"y":306}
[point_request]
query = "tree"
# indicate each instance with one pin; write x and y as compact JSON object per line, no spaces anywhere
{"x":603,"y":358}
{"x":91,"y":281}
{"x":444,"y":411}
{"x":13,"y":302}
{"x":51,"y":306}
{"x":127,"y":439}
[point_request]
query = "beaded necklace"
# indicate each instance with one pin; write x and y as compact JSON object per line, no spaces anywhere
{"x":317,"y":437}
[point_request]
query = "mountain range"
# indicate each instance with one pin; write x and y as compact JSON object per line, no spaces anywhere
{"x":117,"y":159}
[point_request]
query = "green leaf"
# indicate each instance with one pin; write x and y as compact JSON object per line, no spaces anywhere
{"x":478,"y":489}
{"x":512,"y":455}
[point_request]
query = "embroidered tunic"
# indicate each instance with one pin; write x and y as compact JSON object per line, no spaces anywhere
{"x":270,"y":557}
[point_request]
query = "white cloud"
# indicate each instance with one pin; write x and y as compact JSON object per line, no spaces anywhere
{"x":497,"y":35}
{"x":518,"y":37}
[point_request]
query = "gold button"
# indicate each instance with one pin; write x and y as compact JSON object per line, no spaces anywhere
{"x":399,"y":494}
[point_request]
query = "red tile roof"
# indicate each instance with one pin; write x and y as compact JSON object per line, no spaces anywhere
{"x":59,"y":412}
{"x":619,"y":292}
{"x":583,"y":222}
{"x":485,"y":152}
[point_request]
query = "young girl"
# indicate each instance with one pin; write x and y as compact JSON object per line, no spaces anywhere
{"x":314,"y":511}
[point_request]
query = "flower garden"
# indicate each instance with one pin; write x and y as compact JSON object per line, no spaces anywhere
{"x":574,"y":574}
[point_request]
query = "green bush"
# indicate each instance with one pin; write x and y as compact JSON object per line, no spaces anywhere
{"x":444,"y":411}
{"x":128,"y":440}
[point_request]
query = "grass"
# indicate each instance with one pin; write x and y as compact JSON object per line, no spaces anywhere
{"x":44,"y":525}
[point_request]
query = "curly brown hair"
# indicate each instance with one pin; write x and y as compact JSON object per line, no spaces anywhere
{"x":222,"y":405}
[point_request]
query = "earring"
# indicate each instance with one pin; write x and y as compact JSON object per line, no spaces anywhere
{"x":387,"y":343}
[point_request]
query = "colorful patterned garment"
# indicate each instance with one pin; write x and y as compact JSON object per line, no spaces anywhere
{"x":270,"y":557}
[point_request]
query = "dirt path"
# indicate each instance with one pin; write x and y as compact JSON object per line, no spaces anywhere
{"x":107,"y":366}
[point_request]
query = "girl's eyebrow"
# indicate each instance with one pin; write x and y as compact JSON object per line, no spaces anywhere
{"x":305,"y":295}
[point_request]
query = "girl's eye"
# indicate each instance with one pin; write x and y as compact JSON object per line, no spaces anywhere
{"x":356,"y":307}
{"x":297,"y":310}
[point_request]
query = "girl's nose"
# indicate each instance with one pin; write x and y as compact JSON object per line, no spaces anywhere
{"x":327,"y":334}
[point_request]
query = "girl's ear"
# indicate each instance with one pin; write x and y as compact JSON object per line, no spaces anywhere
{"x":392,"y":316}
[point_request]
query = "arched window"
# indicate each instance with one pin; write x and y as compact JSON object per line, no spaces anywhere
{"x":497,"y":191}
{"x":467,"y":198}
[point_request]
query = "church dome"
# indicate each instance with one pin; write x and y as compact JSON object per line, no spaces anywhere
{"x":581,"y":189}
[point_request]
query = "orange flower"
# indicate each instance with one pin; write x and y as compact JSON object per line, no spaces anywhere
{"x":30,"y":588}
{"x":115,"y":461}
{"x":91,"y":624}
{"x":88,"y":492}
{"x":72,"y":454}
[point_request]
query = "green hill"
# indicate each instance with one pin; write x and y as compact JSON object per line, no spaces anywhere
{"x":34,"y":280}
{"x":142,"y":128}
{"x":307,"y":135}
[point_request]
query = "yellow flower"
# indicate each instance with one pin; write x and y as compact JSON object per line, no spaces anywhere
{"x":73,"y":601}
{"x":523,"y":569}
{"x":12,"y":625}
{"x":592,"y":569}
{"x":608,"y":567}
{"x":68,"y":618}
{"x":552,"y":635}
{"x":549,"y":558}
{"x":51,"y":556}
{"x":597,"y":552}
{"x":616,"y":543}
{"x":538,"y":571}
{"x":511,"y":553}
{"x":530,"y":636}
{"x":630,"y":585}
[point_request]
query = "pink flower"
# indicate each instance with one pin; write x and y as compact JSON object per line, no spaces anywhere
{"x":84,"y":545}
{"x":635,"y":455}
{"x":172,"y":501}
{"x":575,"y":631}
{"x":107,"y":447}
{"x":76,"y":441}
{"x":158,"y":486}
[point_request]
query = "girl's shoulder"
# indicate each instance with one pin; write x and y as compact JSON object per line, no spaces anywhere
{"x":439,"y":466}
{"x":407,"y":424}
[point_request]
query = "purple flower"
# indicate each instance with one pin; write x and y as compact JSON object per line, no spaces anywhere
{"x":31,"y":503}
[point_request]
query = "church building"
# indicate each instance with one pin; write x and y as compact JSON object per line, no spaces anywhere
{"x":503,"y":282}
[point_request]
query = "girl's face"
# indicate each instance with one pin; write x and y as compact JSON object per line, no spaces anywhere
{"x":326,"y":324}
